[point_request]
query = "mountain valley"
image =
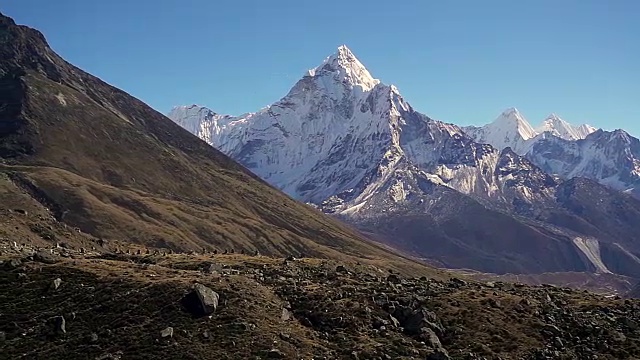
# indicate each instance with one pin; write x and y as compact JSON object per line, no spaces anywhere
{"x":126,"y":235}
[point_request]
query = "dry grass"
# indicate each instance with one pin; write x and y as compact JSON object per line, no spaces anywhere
{"x":126,"y":300}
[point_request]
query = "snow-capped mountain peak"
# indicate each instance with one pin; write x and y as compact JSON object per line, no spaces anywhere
{"x":199,"y":120}
{"x":510,"y":129}
{"x":619,"y":134}
{"x":346,"y":68}
{"x":562,"y":129}
{"x":586,"y":129}
{"x":341,"y":134}
{"x":512,"y":120}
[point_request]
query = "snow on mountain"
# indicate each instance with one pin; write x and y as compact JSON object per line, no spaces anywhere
{"x":340,"y":135}
{"x":353,"y":146}
{"x":562,"y":129}
{"x":611,"y":158}
{"x":568,"y":151}
{"x":511,"y":129}
{"x":345,"y":67}
{"x":200,"y":121}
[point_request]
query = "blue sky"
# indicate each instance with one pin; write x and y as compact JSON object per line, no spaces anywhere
{"x":458,"y":61}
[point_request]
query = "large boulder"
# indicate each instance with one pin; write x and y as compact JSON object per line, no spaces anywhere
{"x":56,"y":283}
{"x":45,"y":257}
{"x":167,"y":332}
{"x":414,"y":321}
{"x":201,"y":301}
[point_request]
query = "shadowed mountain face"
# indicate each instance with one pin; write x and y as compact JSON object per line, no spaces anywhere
{"x":77,"y":151}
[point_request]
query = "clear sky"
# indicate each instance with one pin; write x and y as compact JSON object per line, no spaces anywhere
{"x":458,"y":61}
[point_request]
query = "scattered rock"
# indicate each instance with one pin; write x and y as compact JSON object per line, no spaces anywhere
{"x":167,"y":332}
{"x":286,"y":315}
{"x":552,"y":329}
{"x":394,"y":279}
{"x":525,"y":302}
{"x":93,"y":337}
{"x":3,"y":336}
{"x":495,"y":303}
{"x":457,"y":282}
{"x":56,"y":283}
{"x":242,"y":326}
{"x":109,"y":356}
{"x":415,"y":321}
{"x":341,"y":269}
{"x":394,"y":321}
{"x":14,"y":263}
{"x":431,"y":339}
{"x":60,"y":325}
{"x":212,"y":268}
{"x":618,"y":337}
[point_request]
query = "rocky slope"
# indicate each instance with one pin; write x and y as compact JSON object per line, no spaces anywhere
{"x":84,"y":162}
{"x":354,"y":147}
{"x":77,"y":305}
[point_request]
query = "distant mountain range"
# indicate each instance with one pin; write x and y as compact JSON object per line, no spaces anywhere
{"x":559,"y":148}
{"x":502,"y":198}
{"x":512,"y":130}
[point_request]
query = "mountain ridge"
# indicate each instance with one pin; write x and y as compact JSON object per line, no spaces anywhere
{"x":512,"y":129}
{"x":370,"y":159}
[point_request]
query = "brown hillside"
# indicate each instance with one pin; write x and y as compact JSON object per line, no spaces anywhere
{"x":95,"y":158}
